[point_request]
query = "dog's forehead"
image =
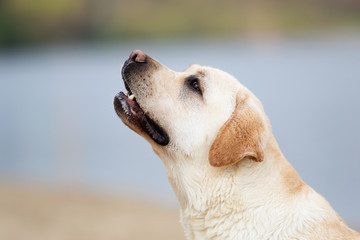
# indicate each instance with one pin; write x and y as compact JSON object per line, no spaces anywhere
{"x":194,"y":69}
{"x":210,"y":72}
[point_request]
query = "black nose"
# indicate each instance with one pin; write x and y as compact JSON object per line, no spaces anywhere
{"x":138,"y":56}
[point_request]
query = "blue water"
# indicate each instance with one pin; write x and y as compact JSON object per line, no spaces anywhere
{"x":58,"y":126}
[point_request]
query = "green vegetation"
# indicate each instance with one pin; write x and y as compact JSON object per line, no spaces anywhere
{"x":24,"y":22}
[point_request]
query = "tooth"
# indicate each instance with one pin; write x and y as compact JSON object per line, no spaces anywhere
{"x":132,"y":96}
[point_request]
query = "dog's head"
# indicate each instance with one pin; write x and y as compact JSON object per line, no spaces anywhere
{"x":199,"y":111}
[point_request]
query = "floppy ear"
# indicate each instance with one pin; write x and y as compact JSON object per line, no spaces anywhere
{"x":239,"y":137}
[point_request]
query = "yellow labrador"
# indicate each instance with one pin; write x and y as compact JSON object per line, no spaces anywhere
{"x":220,"y":155}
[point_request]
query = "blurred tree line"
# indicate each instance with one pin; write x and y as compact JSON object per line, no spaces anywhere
{"x":28,"y":22}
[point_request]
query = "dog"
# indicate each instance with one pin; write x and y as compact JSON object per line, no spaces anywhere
{"x":220,"y":156}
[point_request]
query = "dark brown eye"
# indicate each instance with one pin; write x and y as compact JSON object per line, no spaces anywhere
{"x":193,"y":82}
{"x":195,"y":85}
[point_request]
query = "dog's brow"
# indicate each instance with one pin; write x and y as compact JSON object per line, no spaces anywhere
{"x":201,"y":73}
{"x":192,"y":77}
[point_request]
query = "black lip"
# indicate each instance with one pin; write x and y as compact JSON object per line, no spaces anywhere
{"x":132,"y":112}
{"x":125,"y":73}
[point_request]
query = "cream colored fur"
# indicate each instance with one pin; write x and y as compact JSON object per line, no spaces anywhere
{"x":257,"y":196}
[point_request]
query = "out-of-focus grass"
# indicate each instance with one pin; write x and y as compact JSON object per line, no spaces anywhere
{"x":41,"y":21}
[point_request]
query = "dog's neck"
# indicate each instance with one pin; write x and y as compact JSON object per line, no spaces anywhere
{"x":247,"y":183}
{"x":190,"y":177}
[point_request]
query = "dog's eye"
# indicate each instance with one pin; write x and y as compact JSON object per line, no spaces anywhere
{"x":195,"y":85}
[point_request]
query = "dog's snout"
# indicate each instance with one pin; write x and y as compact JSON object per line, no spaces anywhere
{"x":138,"y":56}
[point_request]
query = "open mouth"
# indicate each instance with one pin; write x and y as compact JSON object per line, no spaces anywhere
{"x":132,"y":115}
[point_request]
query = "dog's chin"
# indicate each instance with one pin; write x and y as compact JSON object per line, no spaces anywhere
{"x":134,"y":117}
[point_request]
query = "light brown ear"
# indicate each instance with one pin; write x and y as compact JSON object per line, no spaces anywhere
{"x":239,"y":137}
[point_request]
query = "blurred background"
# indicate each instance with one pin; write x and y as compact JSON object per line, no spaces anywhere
{"x":69,"y":169}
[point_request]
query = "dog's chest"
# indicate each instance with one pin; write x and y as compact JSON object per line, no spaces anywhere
{"x":222,"y":222}
{"x":234,"y":222}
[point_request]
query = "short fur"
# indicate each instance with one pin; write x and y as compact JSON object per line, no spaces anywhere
{"x":224,"y":164}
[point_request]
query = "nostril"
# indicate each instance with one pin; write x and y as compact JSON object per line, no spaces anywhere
{"x":138,"y":56}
